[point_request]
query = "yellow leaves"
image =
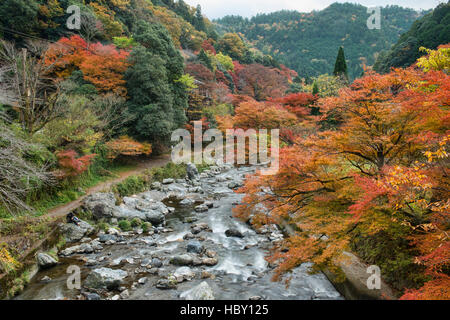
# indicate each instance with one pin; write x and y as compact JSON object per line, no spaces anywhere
{"x":437,"y":60}
{"x":7,"y":262}
{"x":441,"y":152}
{"x":121,"y":4}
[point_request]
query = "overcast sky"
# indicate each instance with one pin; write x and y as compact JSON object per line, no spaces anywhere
{"x":219,"y":8}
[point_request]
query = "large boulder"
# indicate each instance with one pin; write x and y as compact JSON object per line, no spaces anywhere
{"x":146,"y":210}
{"x":82,"y":248}
{"x":100,"y":204}
{"x":45,"y":261}
{"x":105,"y":278}
{"x":192,"y":171}
{"x":201,"y":292}
{"x":73,"y":232}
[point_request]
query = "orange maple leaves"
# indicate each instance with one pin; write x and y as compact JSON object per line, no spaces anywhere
{"x":71,"y":164}
{"x":102,"y":65}
{"x":126,"y":146}
{"x":384,"y":161}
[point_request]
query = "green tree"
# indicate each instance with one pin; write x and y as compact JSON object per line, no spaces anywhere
{"x":18,"y":15}
{"x":205,"y":60}
{"x":315,"y":89}
{"x":199,"y":23}
{"x":340,"y":68}
{"x":157,"y":100}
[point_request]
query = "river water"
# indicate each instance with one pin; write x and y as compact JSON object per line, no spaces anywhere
{"x":241,"y":271}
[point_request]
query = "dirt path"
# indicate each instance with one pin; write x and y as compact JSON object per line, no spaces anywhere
{"x":64,"y":209}
{"x":68,"y":207}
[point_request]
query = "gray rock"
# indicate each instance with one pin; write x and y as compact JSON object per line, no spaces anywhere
{"x":168,"y":181}
{"x":155,"y":217}
{"x":201,"y":227}
{"x":195,"y":247}
{"x":156,"y":186}
{"x":74,"y":233}
{"x":166,"y":284}
{"x":145,"y":263}
{"x":187,"y":202}
{"x":105,"y":278}
{"x":201,"y":208}
{"x":235,"y":184}
{"x":82,"y":248}
{"x":192,"y":171}
{"x":143,"y":280}
{"x":184,"y":274}
{"x":46,"y":279}
{"x":156,"y":263}
{"x":95,"y":244}
{"x":182,"y":260}
{"x":108,"y":237}
{"x":45,"y":261}
{"x":197,"y":189}
{"x":188,"y":236}
{"x":92,"y":296}
{"x":201,"y":292}
{"x":209,"y":204}
{"x":211,"y":253}
{"x":91,"y":262}
{"x":190,"y":220}
{"x":210,"y":262}
{"x":125,"y":294}
{"x":100,"y":204}
{"x":234,"y":233}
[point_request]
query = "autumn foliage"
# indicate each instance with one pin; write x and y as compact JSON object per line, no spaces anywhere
{"x":383,"y":167}
{"x":102,"y":65}
{"x":126,"y":146}
{"x":71,"y":164}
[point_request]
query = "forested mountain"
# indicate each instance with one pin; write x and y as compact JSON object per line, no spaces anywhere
{"x":309,"y":42}
{"x":430,"y":31}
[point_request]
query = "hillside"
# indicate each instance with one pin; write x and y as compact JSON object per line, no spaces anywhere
{"x":430,"y":31}
{"x":79,"y":100}
{"x":309,"y":42}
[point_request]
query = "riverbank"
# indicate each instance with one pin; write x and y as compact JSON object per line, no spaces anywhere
{"x":22,"y":236}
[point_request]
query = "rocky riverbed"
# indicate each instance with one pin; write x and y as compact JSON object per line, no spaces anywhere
{"x":193,"y":250}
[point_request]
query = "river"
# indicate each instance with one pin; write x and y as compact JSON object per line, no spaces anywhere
{"x":241,"y":271}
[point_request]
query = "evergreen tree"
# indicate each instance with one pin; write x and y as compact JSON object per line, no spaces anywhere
{"x":340,"y":68}
{"x":205,"y":60}
{"x":315,"y":89}
{"x":157,"y":101}
{"x":199,"y":23}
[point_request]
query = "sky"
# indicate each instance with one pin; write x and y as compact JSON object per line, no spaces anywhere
{"x":218,"y":8}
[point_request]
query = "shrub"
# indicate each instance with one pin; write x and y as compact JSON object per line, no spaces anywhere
{"x":71,"y":165}
{"x":125,"y":225}
{"x":132,"y":185}
{"x":171,"y":170}
{"x":136,"y":222}
{"x":146,"y":226}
